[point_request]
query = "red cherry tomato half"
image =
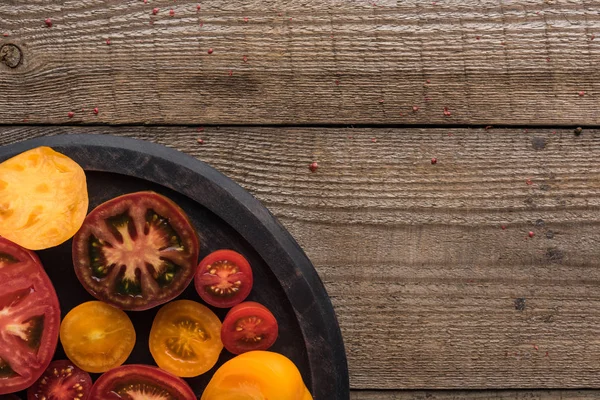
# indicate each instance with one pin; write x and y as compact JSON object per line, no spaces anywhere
{"x":140,"y":382}
{"x":224,"y":278}
{"x":61,"y":381}
{"x":29,"y":318}
{"x":136,"y":251}
{"x":249,"y":326}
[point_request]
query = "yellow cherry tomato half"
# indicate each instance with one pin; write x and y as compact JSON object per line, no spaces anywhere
{"x":43,"y":198}
{"x":257,"y":375}
{"x":97,"y":337}
{"x":185,"y":338}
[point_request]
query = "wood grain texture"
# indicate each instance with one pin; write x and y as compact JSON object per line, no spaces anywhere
{"x":430,"y":291}
{"x":477,"y":395}
{"x":327,"y":61}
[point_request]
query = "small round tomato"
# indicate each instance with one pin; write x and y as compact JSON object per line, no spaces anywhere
{"x":134,"y":382}
{"x":249,"y":326}
{"x":61,"y":381}
{"x":43,"y":198}
{"x":257,"y":375}
{"x":29,"y":318}
{"x":224,"y":278}
{"x":136,"y":251}
{"x":97,"y":337}
{"x":185,"y":338}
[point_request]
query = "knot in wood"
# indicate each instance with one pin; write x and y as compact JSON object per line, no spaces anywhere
{"x":11,"y":55}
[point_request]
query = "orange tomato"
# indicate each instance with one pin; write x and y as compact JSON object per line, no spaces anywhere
{"x":97,"y":337}
{"x":185,"y":338}
{"x":43,"y":198}
{"x":257,"y":375}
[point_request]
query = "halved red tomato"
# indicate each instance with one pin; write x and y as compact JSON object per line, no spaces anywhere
{"x":133,"y":382}
{"x":249,"y":326}
{"x":224,"y":278}
{"x":29,"y":318}
{"x":61,"y":381}
{"x":136,"y":251}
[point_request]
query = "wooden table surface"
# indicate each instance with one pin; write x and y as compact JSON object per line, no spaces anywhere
{"x":475,"y":277}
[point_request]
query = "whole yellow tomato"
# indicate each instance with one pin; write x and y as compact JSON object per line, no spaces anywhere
{"x":257,"y":375}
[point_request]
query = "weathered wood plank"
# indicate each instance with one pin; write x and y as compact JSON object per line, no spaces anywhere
{"x":430,"y":291}
{"x":330,"y":61}
{"x":476,"y":395}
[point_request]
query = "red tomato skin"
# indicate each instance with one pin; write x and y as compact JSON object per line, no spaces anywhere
{"x":31,"y":271}
{"x":229,"y":335}
{"x":245,"y":269}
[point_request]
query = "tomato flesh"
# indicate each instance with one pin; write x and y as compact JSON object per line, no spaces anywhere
{"x":185,"y":338}
{"x":257,"y":375}
{"x":136,"y":251}
{"x":224,"y":278}
{"x":29,"y":318}
{"x":61,"y":381}
{"x":43,"y":198}
{"x":97,"y":337}
{"x":249,"y":326}
{"x":140,"y":382}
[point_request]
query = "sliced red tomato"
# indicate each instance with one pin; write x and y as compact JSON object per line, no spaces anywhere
{"x":224,"y":278}
{"x":133,"y":382}
{"x":136,"y":251}
{"x":61,"y":381}
{"x":29,"y":318}
{"x":249,"y":326}
{"x":185,"y":338}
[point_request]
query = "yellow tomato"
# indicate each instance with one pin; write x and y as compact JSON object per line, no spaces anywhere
{"x":257,"y":375}
{"x":97,"y":337}
{"x":43,"y":198}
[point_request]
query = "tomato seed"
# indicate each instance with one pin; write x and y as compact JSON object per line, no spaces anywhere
{"x":447,"y":112}
{"x":531,"y":234}
{"x":171,"y":12}
{"x":313,"y":167}
{"x":230,"y":72}
{"x":200,"y":141}
{"x":5,"y":34}
{"x":210,"y":51}
{"x":201,"y":129}
{"x":374,"y":140}
{"x":245,"y":19}
{"x":380,"y":101}
{"x":70,"y":114}
{"x":427,"y":81}
{"x":529,"y":182}
{"x":415,"y":108}
{"x":581,"y":93}
{"x":155,"y":11}
{"x":108,"y":42}
{"x":198,"y":7}
{"x":337,"y":82}
{"x":245,"y":59}
{"x":503,"y":227}
{"x":434,"y":160}
{"x":96,"y":111}
{"x":48,"y":22}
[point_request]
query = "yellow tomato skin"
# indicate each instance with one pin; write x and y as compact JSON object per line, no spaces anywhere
{"x":257,"y":375}
{"x":43,"y":198}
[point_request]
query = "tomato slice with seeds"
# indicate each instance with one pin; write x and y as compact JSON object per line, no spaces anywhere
{"x":224,"y":278}
{"x":61,"y":381}
{"x":185,"y":338}
{"x":136,"y":251}
{"x":249,"y":326}
{"x":43,"y":198}
{"x":140,"y":382}
{"x":97,"y":337}
{"x":29,"y":318}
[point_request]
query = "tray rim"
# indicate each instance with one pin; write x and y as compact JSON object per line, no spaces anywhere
{"x":327,"y":360}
